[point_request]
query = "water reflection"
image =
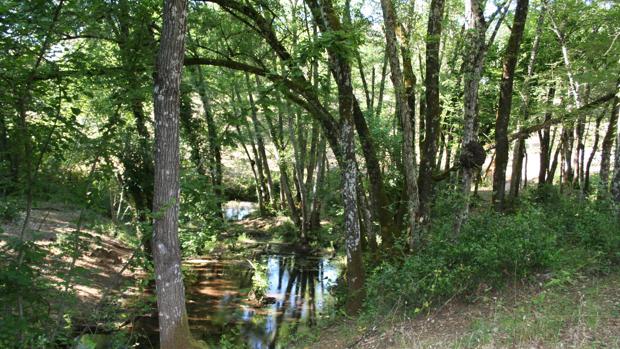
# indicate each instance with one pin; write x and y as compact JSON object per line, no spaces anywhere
{"x":297,"y":293}
{"x":238,"y":210}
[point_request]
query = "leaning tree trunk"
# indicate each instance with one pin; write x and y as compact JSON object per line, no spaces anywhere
{"x":505,"y":102}
{"x":173,"y":324}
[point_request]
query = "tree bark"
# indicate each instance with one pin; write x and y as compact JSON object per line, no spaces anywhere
{"x":505,"y":102}
{"x":340,"y":67}
{"x":607,"y":145}
{"x":545,"y":142}
{"x":597,"y":136}
{"x":473,"y":61}
{"x":173,"y":324}
{"x":433,"y":108}
{"x":404,"y":113}
{"x":519,"y":148}
{"x":215,"y":149}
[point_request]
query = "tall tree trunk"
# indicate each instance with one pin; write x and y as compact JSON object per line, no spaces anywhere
{"x":261,"y":160}
{"x":378,"y":198}
{"x":402,"y":105}
{"x":519,"y":148}
{"x":554,"y":162}
{"x":299,"y":176}
{"x":433,"y":108}
{"x":545,"y":142}
{"x":173,"y":324}
{"x":505,"y":102}
{"x":315,"y":210}
{"x":215,"y":149}
{"x":328,"y":22}
{"x":597,"y":136}
{"x":189,"y":130}
{"x":473,"y":61}
{"x":261,"y":144}
{"x":608,"y":142}
{"x":615,"y":181}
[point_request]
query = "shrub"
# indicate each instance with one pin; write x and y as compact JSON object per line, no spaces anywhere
{"x":494,"y":248}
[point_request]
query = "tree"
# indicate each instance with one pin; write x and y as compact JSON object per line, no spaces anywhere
{"x":403,"y":112}
{"x":505,"y":103}
{"x":173,"y":324}
{"x":433,"y":107}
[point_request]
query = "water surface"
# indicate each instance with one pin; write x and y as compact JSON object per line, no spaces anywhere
{"x":221,"y":306}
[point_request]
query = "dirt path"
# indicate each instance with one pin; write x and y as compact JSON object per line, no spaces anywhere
{"x":101,"y":257}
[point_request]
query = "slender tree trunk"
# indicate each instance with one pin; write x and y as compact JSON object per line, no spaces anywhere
{"x":382,"y":85}
{"x":299,"y":165}
{"x":402,"y":105}
{"x":378,"y":198}
{"x":215,"y":149}
{"x":519,"y":149}
{"x":505,"y":102}
{"x":554,"y":163}
{"x":473,"y":61}
{"x":189,"y":130}
{"x":608,"y":142}
{"x":615,"y":181}
{"x":315,"y":222}
{"x":433,"y":108}
{"x":260,"y":143}
{"x":173,"y":324}
{"x":261,"y":156}
{"x":545,"y":142}
{"x":597,"y":136}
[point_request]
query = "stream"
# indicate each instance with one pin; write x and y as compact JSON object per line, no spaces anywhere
{"x":222,"y":308}
{"x":294,"y":292}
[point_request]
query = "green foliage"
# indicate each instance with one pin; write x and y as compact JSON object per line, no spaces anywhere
{"x":564,"y":237}
{"x":9,"y":209}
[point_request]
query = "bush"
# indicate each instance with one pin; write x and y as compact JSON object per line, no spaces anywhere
{"x":494,"y":248}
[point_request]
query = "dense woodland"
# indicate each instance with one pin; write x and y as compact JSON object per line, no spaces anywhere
{"x":395,"y":134}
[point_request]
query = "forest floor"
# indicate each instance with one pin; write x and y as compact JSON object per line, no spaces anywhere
{"x":100,"y":266}
{"x":579,"y":313}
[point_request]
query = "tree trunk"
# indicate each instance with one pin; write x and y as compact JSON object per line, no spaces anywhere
{"x":215,"y":149}
{"x":519,"y":149}
{"x":328,"y":22}
{"x":433,"y":108}
{"x":608,"y":142}
{"x":615,"y":182}
{"x":260,"y":144}
{"x":545,"y":142}
{"x":597,"y":136}
{"x":189,"y":130}
{"x":473,"y":58}
{"x":261,"y":156}
{"x":505,"y":102}
{"x":402,"y":105}
{"x":173,"y":324}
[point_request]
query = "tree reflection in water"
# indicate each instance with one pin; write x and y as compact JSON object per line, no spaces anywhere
{"x":297,"y":294}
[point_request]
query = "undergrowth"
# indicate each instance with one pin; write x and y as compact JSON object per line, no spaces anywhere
{"x":559,"y":237}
